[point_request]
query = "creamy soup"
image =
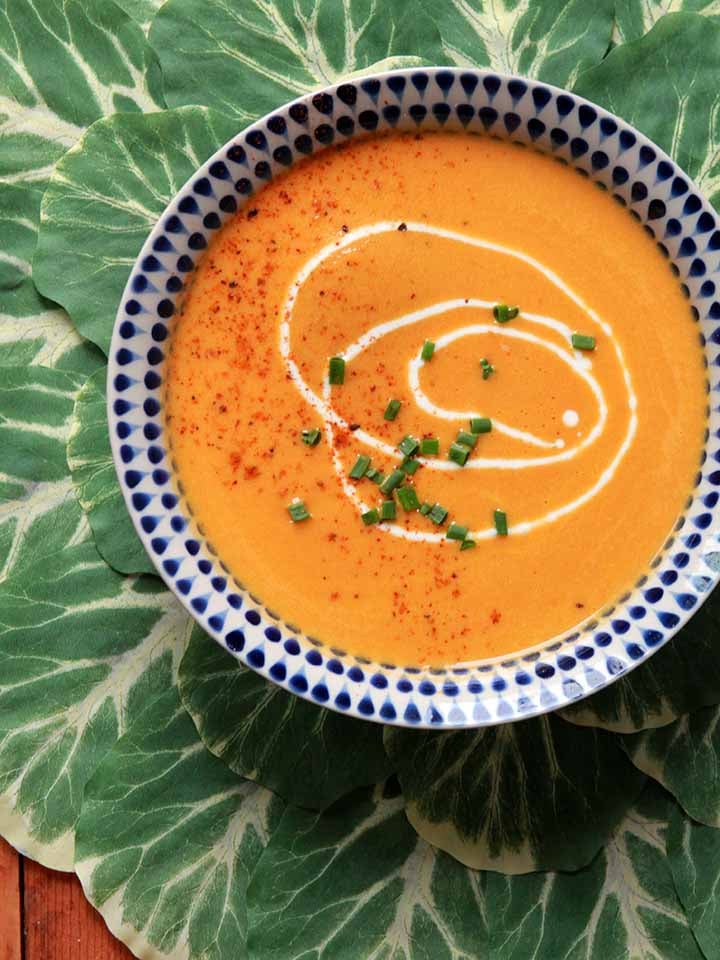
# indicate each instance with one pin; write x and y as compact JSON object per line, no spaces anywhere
{"x":435,"y":398}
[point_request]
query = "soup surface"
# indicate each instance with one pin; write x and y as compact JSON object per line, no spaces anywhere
{"x":363,"y":254}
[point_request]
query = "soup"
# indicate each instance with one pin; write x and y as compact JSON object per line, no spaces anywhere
{"x":435,"y":398}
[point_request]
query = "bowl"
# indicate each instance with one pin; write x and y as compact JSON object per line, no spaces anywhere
{"x":548,"y":676}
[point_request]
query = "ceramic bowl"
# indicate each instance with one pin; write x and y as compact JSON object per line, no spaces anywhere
{"x":638,"y":175}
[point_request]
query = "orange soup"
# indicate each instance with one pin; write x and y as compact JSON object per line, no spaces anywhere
{"x":389,"y":455}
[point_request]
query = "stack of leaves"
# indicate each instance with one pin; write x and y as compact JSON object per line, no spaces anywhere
{"x":208,"y":814}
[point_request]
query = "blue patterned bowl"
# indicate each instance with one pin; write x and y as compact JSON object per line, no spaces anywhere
{"x":569,"y":667}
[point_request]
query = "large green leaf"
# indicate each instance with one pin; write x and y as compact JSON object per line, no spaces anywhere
{"x":275,"y":51}
{"x":103,"y":199}
{"x":540,"y":794}
{"x":142,"y":11}
{"x":666,"y":85}
{"x":553,"y":40}
{"x":167,"y":840}
{"x":622,"y":906}
{"x":93,"y":473}
{"x":635,"y":17}
{"x":63,"y":64}
{"x":694,"y":855}
{"x":685,"y":758}
{"x":81,"y":648}
{"x":357,"y":883}
{"x":309,"y":755}
{"x":684,"y":675}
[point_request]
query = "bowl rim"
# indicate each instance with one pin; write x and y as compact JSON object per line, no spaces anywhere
{"x":547,"y":676}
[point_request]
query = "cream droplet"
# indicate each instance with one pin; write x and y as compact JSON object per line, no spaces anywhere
{"x":571,"y":418}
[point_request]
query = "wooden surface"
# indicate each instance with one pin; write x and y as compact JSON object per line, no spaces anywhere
{"x":44,"y":915}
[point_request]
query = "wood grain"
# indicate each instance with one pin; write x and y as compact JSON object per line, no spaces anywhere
{"x":59,"y":922}
{"x":10,"y":903}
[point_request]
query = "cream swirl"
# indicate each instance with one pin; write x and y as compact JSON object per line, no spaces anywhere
{"x":574,"y":360}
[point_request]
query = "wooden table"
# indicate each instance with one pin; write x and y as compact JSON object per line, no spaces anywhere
{"x":44,"y":915}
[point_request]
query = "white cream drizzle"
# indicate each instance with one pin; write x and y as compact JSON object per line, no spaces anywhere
{"x":578,"y":362}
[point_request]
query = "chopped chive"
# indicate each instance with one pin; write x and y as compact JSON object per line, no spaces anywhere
{"x":581,"y":341}
{"x":392,"y":409}
{"x":408,"y":446}
{"x":408,"y":498}
{"x":428,"y":349}
{"x":311,"y":437}
{"x":378,"y":477}
{"x":469,"y":439}
{"x":459,"y":453}
{"x":361,"y":467}
{"x":438,"y":514}
{"x":480,"y":425}
{"x":430,"y":446}
{"x":467,"y":544}
{"x":425,"y":508}
{"x":390,"y":482}
{"x":487,"y":368}
{"x":456,"y":532}
{"x":502,"y":312}
{"x":370,"y":517}
{"x":298,"y":511}
{"x":410,"y":466}
{"x":372,"y":473}
{"x":388,"y":511}
{"x":336,"y":374}
{"x":501,"y":524}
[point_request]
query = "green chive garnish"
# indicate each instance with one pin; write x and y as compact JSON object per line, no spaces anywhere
{"x":392,"y":481}
{"x":438,"y":514}
{"x":378,"y":477}
{"x":430,"y":446}
{"x":467,"y":544}
{"x":408,"y":446}
{"x":425,"y":508}
{"x":373,"y":473}
{"x":502,"y":312}
{"x":469,"y":439}
{"x":370,"y":517}
{"x":408,"y":498}
{"x":581,"y":341}
{"x":311,"y":437}
{"x":392,"y":409}
{"x":336,"y":374}
{"x":428,"y":349}
{"x":388,"y":510}
{"x":487,"y":368}
{"x":410,"y":466}
{"x":501,"y":523}
{"x":459,"y":453}
{"x":480,"y":425}
{"x":456,"y":532}
{"x":298,"y":511}
{"x":361,"y":467}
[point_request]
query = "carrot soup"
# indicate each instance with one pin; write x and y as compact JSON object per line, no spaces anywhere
{"x":435,"y":398}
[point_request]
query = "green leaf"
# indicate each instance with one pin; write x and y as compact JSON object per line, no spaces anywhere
{"x":553,"y":40}
{"x":685,"y":758}
{"x":275,"y":52}
{"x":635,"y":17}
{"x":535,"y":795}
{"x":623,"y":906}
{"x":142,"y":11}
{"x":356,"y":882}
{"x":167,"y":840}
{"x":693,"y":851}
{"x":309,"y":755}
{"x":62,"y":66}
{"x":103,"y":199}
{"x":684,"y":675}
{"x":666,"y":85}
{"x":93,"y":473}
